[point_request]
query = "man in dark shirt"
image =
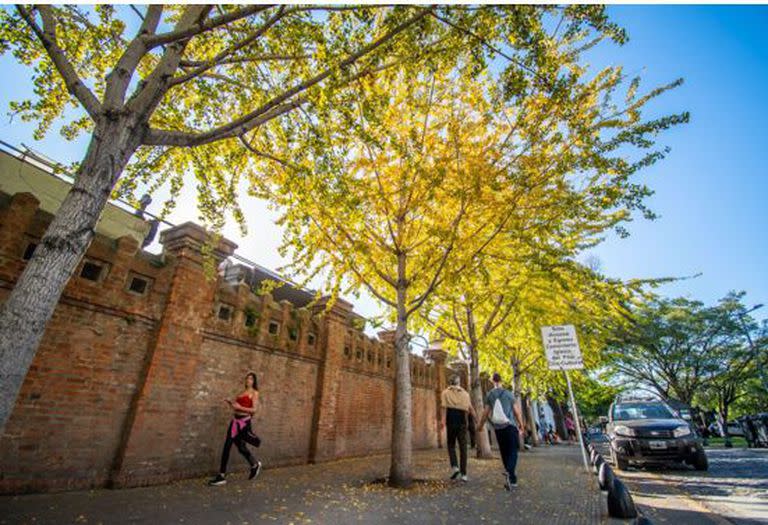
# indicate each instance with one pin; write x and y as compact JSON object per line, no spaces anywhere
{"x":455,"y":401}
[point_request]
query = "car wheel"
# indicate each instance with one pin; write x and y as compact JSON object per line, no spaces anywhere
{"x":700,"y":461}
{"x":618,"y":462}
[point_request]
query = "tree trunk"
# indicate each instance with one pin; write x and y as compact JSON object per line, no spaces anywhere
{"x":476,"y":392}
{"x":31,"y":304}
{"x":402,"y":427}
{"x":557,"y":412}
{"x":518,"y":396}
{"x":532,"y":419}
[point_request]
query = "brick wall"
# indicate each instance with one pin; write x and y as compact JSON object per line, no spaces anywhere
{"x":127,"y":386}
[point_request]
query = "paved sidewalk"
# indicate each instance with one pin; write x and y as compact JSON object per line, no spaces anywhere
{"x":553,"y":489}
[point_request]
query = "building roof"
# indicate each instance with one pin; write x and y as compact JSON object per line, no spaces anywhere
{"x":21,"y":173}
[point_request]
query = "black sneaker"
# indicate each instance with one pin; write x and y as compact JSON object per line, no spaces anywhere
{"x":218,"y":480}
{"x":255,"y":470}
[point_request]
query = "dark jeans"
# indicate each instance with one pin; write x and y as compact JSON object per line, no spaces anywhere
{"x":459,"y":433}
{"x":239,"y":441}
{"x":509,"y":442}
{"x":472,"y":431}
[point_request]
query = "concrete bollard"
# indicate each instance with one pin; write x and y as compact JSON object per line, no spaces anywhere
{"x":605,"y":477}
{"x":620,"y":503}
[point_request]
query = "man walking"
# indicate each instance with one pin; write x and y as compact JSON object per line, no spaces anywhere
{"x":457,"y":406}
{"x":502,"y":411}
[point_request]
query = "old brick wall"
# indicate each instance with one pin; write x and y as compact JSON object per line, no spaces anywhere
{"x":127,"y":387}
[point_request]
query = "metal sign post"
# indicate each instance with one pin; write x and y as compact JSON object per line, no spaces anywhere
{"x":563,"y":353}
{"x":578,"y":423}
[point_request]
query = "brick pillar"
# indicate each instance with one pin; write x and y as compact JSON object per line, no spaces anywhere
{"x":322,"y":445}
{"x":159,"y":410}
{"x":15,"y":221}
{"x":439,"y":357}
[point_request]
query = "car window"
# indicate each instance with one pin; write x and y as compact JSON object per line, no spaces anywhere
{"x":641,"y":411}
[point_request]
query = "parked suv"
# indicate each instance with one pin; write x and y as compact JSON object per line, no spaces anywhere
{"x":649,"y":431}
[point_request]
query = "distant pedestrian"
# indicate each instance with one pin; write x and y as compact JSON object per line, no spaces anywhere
{"x":457,"y":407}
{"x":544,"y":431}
{"x":502,"y":411}
{"x":239,"y":430}
{"x":570,"y":427}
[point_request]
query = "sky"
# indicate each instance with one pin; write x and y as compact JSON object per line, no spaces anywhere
{"x":710,"y":192}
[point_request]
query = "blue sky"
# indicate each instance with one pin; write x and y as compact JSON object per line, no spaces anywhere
{"x":711,"y":190}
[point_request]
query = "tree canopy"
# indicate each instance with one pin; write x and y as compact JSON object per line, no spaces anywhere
{"x":681,"y":348}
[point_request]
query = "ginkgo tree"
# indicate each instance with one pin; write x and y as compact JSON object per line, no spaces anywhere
{"x":426,"y":173}
{"x":171,"y":92}
{"x":573,"y":294}
{"x":492,"y":315}
{"x":409,"y":200}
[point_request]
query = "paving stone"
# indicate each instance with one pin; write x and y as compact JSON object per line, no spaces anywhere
{"x":553,"y":489}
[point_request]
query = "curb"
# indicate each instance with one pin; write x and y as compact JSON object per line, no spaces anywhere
{"x":620,"y":502}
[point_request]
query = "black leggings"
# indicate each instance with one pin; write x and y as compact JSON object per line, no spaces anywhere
{"x":239,"y":441}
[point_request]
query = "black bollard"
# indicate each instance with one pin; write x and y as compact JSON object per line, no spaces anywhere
{"x":620,"y":504}
{"x":598,"y":462}
{"x":605,"y":477}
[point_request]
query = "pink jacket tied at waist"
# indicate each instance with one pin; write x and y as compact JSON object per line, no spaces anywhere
{"x":237,"y":425}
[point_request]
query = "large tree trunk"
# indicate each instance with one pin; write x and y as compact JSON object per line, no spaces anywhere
{"x":31,"y":304}
{"x":476,"y":393}
{"x":402,"y":427}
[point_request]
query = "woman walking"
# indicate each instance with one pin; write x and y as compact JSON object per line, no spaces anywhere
{"x":570,"y":427}
{"x":239,"y":430}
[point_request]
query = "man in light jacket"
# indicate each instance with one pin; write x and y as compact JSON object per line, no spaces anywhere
{"x":457,"y":406}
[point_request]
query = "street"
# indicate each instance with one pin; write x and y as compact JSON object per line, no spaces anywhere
{"x":733,"y":491}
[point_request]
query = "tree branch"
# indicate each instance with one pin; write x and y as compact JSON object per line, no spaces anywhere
{"x":203,"y":26}
{"x":120,"y":76}
{"x":213,"y":62}
{"x":277,"y":106}
{"x":47,"y":37}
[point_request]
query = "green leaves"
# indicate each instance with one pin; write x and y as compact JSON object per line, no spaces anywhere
{"x":681,"y":348}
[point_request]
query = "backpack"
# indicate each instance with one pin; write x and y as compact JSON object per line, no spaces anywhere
{"x":498,"y":417}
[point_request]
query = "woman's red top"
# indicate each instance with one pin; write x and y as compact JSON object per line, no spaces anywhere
{"x":245,"y":401}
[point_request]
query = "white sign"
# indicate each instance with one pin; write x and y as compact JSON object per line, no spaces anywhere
{"x":561,"y":347}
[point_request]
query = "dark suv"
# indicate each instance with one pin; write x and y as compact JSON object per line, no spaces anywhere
{"x":646,"y":432}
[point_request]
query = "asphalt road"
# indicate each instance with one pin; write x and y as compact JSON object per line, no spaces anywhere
{"x":733,"y":492}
